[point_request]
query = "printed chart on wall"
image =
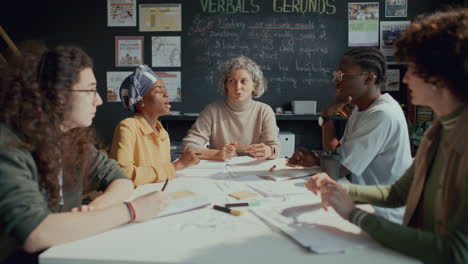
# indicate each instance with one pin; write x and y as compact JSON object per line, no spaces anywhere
{"x":396,"y":8}
{"x":160,"y":17}
{"x":121,"y":13}
{"x":363,"y":24}
{"x":172,"y":81}
{"x":165,"y":51}
{"x":128,"y":51}
{"x":389,"y":33}
{"x":392,"y":83}
{"x":114,"y":80}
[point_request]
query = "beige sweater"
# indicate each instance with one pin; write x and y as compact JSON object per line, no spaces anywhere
{"x":225,"y":121}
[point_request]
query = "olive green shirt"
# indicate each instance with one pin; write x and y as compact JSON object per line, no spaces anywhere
{"x":24,"y":205}
{"x":424,"y":244}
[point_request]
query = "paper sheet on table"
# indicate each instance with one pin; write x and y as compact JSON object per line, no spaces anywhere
{"x":314,"y":228}
{"x":272,"y":189}
{"x":283,"y":172}
{"x":248,"y":166}
{"x":187,"y":202}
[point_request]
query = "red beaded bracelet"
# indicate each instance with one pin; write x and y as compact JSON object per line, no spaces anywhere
{"x":131,"y":211}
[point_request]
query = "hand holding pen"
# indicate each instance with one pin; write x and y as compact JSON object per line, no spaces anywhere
{"x":187,"y":159}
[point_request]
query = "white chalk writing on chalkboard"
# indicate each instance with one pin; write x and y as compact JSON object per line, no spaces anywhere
{"x":283,"y":49}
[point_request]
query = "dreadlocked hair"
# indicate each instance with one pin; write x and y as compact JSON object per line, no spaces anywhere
{"x":370,"y":59}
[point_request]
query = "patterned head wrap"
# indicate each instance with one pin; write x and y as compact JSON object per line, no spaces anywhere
{"x":136,"y":85}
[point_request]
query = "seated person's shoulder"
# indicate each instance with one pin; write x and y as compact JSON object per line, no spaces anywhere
{"x":129,"y":122}
{"x":7,"y":136}
{"x":263,"y":107}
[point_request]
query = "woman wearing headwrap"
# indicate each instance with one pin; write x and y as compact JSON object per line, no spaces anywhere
{"x":238,"y":122}
{"x":141,"y":145}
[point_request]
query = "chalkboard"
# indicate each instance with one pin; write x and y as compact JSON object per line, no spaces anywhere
{"x":297,"y":48}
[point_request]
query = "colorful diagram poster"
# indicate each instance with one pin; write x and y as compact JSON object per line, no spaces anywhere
{"x":114,"y":80}
{"x":128,"y":51}
{"x":172,"y":81}
{"x":363,"y":24}
{"x":160,"y":17}
{"x":393,"y":80}
{"x":389,"y":33}
{"x":396,"y":8}
{"x":165,"y":51}
{"x":121,"y":13}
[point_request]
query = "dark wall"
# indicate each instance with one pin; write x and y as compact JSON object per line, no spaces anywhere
{"x":297,"y":62}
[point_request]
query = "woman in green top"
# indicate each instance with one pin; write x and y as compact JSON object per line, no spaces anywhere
{"x":47,"y":158}
{"x":434,"y":188}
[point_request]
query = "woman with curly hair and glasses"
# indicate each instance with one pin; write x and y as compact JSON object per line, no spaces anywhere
{"x":238,"y":122}
{"x":435,"y":187}
{"x":48,"y":159}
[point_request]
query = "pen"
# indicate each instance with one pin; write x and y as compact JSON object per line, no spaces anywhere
{"x":165,"y":184}
{"x":254,"y":203}
{"x":238,"y":147}
{"x":227,"y":210}
{"x":180,"y":153}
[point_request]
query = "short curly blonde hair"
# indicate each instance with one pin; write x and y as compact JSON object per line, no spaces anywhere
{"x":247,"y":64}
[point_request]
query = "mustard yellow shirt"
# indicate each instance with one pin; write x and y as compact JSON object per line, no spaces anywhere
{"x":143,"y":155}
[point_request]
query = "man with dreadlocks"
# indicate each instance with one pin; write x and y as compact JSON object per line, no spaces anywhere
{"x":374,"y":149}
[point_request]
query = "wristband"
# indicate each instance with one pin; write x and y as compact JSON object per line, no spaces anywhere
{"x":131,"y":211}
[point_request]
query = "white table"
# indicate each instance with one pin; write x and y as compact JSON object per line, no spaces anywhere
{"x":206,"y":235}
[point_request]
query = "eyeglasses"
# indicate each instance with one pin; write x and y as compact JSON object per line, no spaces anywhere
{"x":94,"y":91}
{"x":339,"y":75}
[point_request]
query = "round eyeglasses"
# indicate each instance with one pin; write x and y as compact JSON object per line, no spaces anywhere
{"x":339,"y":75}
{"x":89,"y":91}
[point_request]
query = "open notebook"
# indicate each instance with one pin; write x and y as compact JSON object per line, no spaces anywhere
{"x":180,"y":201}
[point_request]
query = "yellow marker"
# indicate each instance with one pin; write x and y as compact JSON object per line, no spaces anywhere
{"x":228,"y":210}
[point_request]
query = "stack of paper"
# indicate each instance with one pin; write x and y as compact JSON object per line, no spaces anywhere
{"x":283,"y":173}
{"x":314,"y":228}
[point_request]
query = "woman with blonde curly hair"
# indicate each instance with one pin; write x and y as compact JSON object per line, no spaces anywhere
{"x":435,"y":187}
{"x":238,"y":122}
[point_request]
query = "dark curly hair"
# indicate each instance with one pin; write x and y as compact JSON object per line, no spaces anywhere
{"x":437,"y":45}
{"x":35,"y":91}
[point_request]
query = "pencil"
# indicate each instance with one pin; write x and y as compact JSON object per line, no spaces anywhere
{"x":165,"y":184}
{"x":239,"y":147}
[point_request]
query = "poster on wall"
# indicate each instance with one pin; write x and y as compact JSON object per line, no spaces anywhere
{"x":393,"y":80}
{"x":389,"y":33}
{"x":165,"y":51}
{"x":114,"y":80}
{"x":121,"y":13}
{"x":396,"y":8}
{"x":160,"y":17}
{"x":363,"y":24}
{"x":172,"y":81}
{"x":128,"y":51}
